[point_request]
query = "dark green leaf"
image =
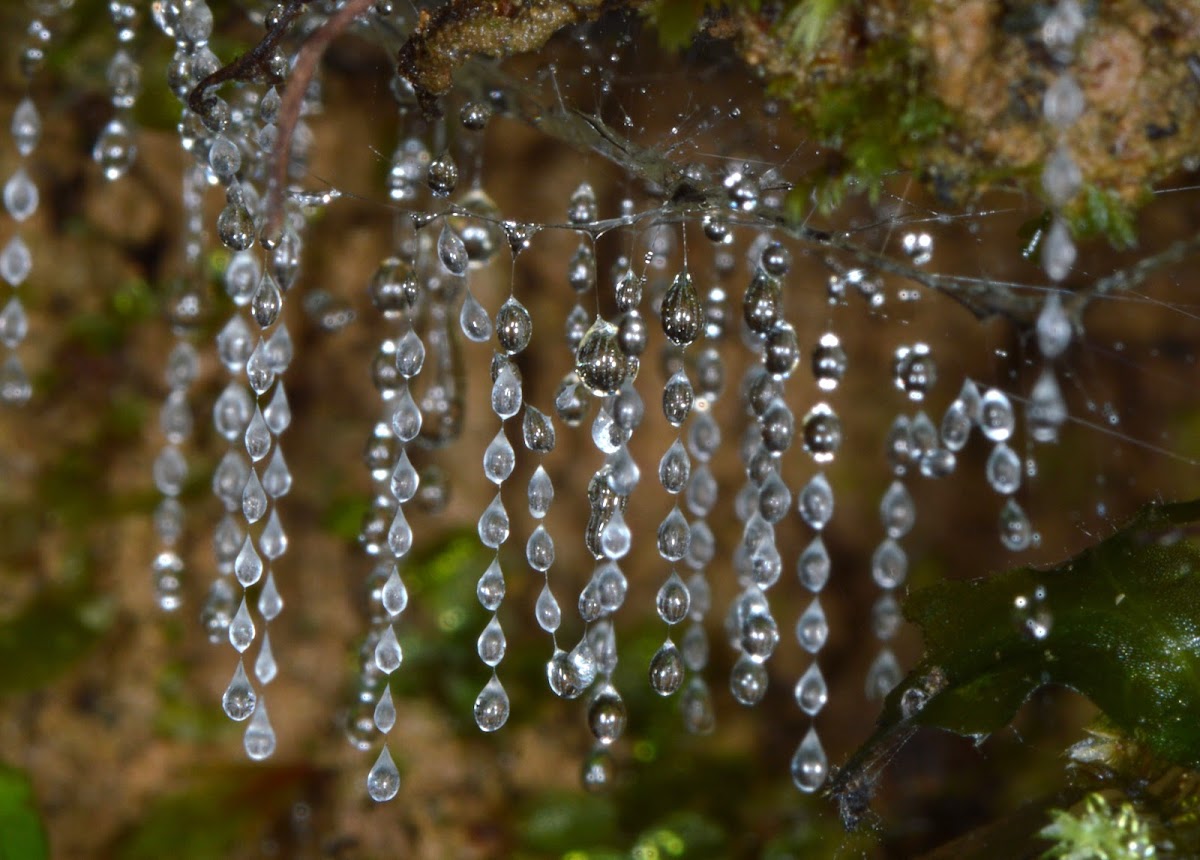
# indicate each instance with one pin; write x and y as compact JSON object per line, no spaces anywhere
{"x":21,"y":833}
{"x":1119,"y":623}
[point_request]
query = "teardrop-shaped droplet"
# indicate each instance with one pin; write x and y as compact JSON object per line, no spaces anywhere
{"x":116,"y":149}
{"x":897,"y":511}
{"x":674,"y":469}
{"x":541,"y":493}
{"x":491,"y":706}
{"x":607,"y":435}
{"x":26,"y":127}
{"x":623,"y":471}
{"x":514,"y":326}
{"x":224,"y":158}
{"x":748,"y":681}
{"x":1015,"y":531}
{"x":270,"y":603}
{"x":829,"y":362}
{"x":491,"y":643}
{"x":682,"y":313}
{"x":599,"y":362}
{"x":394,"y":595}
{"x":259,"y":739}
{"x":889,"y":564}
{"x":406,"y":419}
{"x":815,"y":502}
{"x":280,"y":348}
{"x":442,"y":175}
{"x":615,"y":537}
{"x":388,"y":655}
{"x":539,"y":549}
{"x":506,"y":393}
{"x":778,"y":427}
{"x":265,"y":667}
{"x":956,"y":425}
{"x":1047,"y":410}
{"x":385,"y":710}
{"x":490,"y":588}
{"x":812,"y":629}
{"x":822,"y":433}
{"x":547,"y":611}
{"x":273,"y":541}
{"x":235,"y":224}
{"x":627,"y":407}
{"x":1058,"y":250}
{"x":607,"y":715}
{"x":254,"y":499}
{"x":499,"y":459}
{"x":267,"y":301}
{"x":276,"y":479}
{"x":14,"y":325}
{"x":674,"y":536}
{"x":258,"y":436}
{"x":774,"y":498}
{"x":781,"y":350}
{"x":405,"y":480}
{"x":677,"y":399}
{"x":259,"y":372}
{"x":241,"y":628}
{"x":410,"y":354}
{"x":1004,"y":469}
{"x":453,"y":254}
{"x":538,"y":430}
{"x":564,"y":676}
{"x":229,"y":479}
{"x":996,"y":418}
{"x":673,"y":600}
{"x":493,"y":524}
{"x":810,"y":767}
{"x":234,"y":344}
{"x":702,"y":492}
{"x":16,"y":262}
{"x":248,"y":566}
{"x":474,"y":319}
{"x":278,"y":413}
{"x":383,"y":782}
{"x":239,"y":699}
{"x":569,"y":400}
{"x":811,"y":691}
{"x":883,"y":676}
{"x":400,"y":534}
{"x":762,"y":303}
{"x":666,"y":669}
{"x":1053,"y":327}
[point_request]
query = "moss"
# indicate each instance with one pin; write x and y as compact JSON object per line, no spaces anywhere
{"x":1098,"y":831}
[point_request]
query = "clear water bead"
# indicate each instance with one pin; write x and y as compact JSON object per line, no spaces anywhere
{"x":14,"y":325}
{"x":453,"y":254}
{"x":1004,"y":469}
{"x":674,"y":536}
{"x":400,"y":534}
{"x":996,"y":418}
{"x":276,"y":478}
{"x":815,"y":502}
{"x":889,"y":564}
{"x":615,"y":537}
{"x":1063,"y":102}
{"x":406,"y":419}
{"x":241,"y":628}
{"x":491,"y":706}
{"x":809,"y":767}
{"x":673,"y":600}
{"x":491,"y":643}
{"x":394,"y":595}
{"x":514,"y":326}
{"x":273,"y":541}
{"x":813,"y":566}
{"x":539,"y":549}
{"x":385,"y":710}
{"x":748,"y":681}
{"x":26,"y":127}
{"x":388,"y":655}
{"x":682,"y":313}
{"x":540,"y":494}
{"x":499,"y":459}
{"x":666,"y":669}
{"x":259,"y":739}
{"x":812,"y":629}
{"x":491,"y":588}
{"x":677,"y":399}
{"x":410,"y":355}
{"x":506,"y":393}
{"x":822,"y":433}
{"x":537,"y":430}
{"x":582,"y":207}
{"x":259,"y":372}
{"x":270,"y":603}
{"x":1058,"y":250}
{"x":258,"y":436}
{"x":762,"y":303}
{"x":581,"y":270}
{"x":811,"y":690}
{"x":674,"y":469}
{"x":239,"y":699}
{"x":493,"y":524}
{"x":405,"y":479}
{"x":383,"y":782}
{"x":1061,"y":177}
{"x":20,"y":195}
{"x":883,"y":676}
{"x":606,"y":715}
{"x":956,"y":425}
{"x":247,"y":566}
{"x":897,"y":511}
{"x":885,"y":617}
{"x":1047,"y":410}
{"x":914,"y":371}
{"x":1053,"y":327}
{"x":829,"y":362}
{"x":265,"y":666}
{"x":547,"y":611}
{"x":599,"y":362}
{"x":16,"y":261}
{"x":254,"y":499}
{"x":235,"y":224}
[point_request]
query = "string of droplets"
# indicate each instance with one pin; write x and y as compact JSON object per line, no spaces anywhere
{"x":21,"y":199}
{"x":116,"y":147}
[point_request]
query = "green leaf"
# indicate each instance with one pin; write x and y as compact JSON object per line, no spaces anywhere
{"x":21,"y":834}
{"x":1118,"y":623}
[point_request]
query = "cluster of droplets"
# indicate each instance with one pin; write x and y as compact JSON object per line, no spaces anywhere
{"x":21,"y":199}
{"x":170,"y":473}
{"x":116,"y":148}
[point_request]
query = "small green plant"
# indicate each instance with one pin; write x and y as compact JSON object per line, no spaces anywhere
{"x":1098,"y":832}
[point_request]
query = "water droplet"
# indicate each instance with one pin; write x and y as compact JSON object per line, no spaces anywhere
{"x":474,"y":320}
{"x":632,"y":334}
{"x":889,"y":564}
{"x":259,"y":739}
{"x":16,"y":261}
{"x":14,"y":325}
{"x":388,"y":655}
{"x":26,"y":127}
{"x":829,"y":362}
{"x":404,"y":480}
{"x":748,"y":681}
{"x":897,"y":511}
{"x":499,"y":459}
{"x":258,"y":436}
{"x":538,"y":430}
{"x":674,"y":536}
{"x":811,"y":691}
{"x":582,"y":207}
{"x":627,"y":407}
{"x":259,"y":372}
{"x":781,"y":350}
{"x":116,"y":149}
{"x":385,"y":710}
{"x":615,"y":537}
{"x":493,"y":524}
{"x":581,"y":271}
{"x":491,"y":706}
{"x":809,"y":765}
{"x":491,"y":643}
{"x":270,"y":603}
{"x":265,"y":667}
{"x":575,"y":327}
{"x":383,"y":782}
{"x":606,"y":715}
{"x":490,"y":588}
{"x":406,"y":419}
{"x":812,"y":629}
{"x":273,"y":541}
{"x":758,"y":635}
{"x":276,"y":479}
{"x":442,"y":176}
{"x":563,"y":675}
{"x":763,"y":302}
{"x":673,"y":600}
{"x":1053,"y":327}
{"x":675,"y":468}
{"x":539,"y":549}
{"x":918,"y":247}
{"x":885,"y":617}
{"x":248,"y":566}
{"x":666,"y":669}
{"x":410,"y":355}
{"x":1058,"y":250}
{"x":400,"y":534}
{"x":599,"y":362}
{"x":239,"y":699}
{"x":607,"y":435}
{"x":453,"y":254}
{"x":506,"y":393}
{"x":279,"y":348}
{"x":1015,"y":531}
{"x":814,"y":565}
{"x":394,"y":596}
{"x":883,"y":676}
{"x":254,"y":499}
{"x":996,"y":418}
{"x":682,"y":314}
{"x":1047,"y":410}
{"x":234,"y":346}
{"x":822,"y":433}
{"x":514,"y":326}
{"x":278,"y":413}
{"x":774,"y":498}
{"x":548,"y":614}
{"x":815,"y":502}
{"x":1004,"y":469}
{"x":541,"y":493}
{"x":956,"y":425}
{"x":677,"y":399}
{"x":914,"y":371}
{"x":224,"y":158}
{"x":235,"y":224}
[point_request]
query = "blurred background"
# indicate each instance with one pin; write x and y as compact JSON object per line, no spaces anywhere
{"x":112,"y":738}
